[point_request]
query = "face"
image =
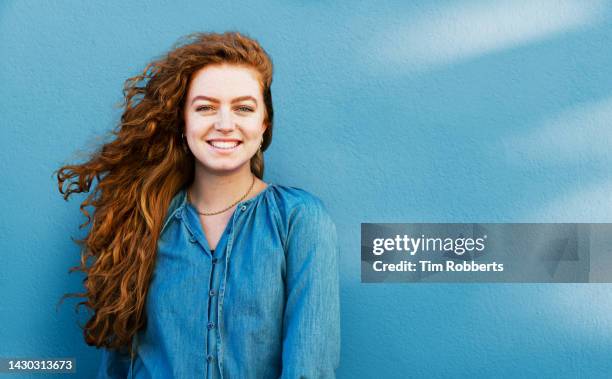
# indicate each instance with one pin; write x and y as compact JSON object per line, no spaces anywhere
{"x":224,"y":117}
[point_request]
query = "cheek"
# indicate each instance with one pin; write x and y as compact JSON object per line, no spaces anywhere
{"x":254,"y":135}
{"x":188,"y":122}
{"x":254,"y":129}
{"x":193,"y":126}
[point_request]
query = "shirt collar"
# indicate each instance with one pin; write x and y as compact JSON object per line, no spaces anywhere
{"x":182,"y":197}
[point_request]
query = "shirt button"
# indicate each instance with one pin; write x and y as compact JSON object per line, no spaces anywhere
{"x":192,"y":239}
{"x":243,"y":208}
{"x":210,"y":358}
{"x":211,"y":293}
{"x":178,"y":214}
{"x":214,"y":260}
{"x":211,"y":325}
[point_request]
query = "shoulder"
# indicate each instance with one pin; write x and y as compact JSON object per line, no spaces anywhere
{"x":307,"y":226}
{"x":177,"y":201}
{"x":298,"y":207}
{"x":294,"y":200}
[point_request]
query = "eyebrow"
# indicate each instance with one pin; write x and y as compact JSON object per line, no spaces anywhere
{"x":213,"y":100}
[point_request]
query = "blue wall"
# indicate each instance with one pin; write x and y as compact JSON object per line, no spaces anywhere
{"x":461,"y":111}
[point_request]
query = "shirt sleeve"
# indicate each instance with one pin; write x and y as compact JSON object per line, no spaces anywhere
{"x":114,"y":364}
{"x":311,"y":322}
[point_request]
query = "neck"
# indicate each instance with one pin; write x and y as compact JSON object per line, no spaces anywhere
{"x":214,"y":191}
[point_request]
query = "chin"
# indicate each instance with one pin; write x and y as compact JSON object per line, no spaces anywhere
{"x":226,"y":168}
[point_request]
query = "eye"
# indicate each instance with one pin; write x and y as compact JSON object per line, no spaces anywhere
{"x":204,"y":108}
{"x":244,"y":108}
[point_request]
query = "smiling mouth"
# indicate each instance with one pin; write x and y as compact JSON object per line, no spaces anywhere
{"x":224,"y":145}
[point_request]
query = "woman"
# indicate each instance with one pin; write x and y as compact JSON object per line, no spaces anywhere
{"x":200,"y":268}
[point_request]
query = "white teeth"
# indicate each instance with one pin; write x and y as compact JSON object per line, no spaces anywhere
{"x":224,"y":145}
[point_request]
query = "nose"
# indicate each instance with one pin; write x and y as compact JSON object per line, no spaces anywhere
{"x":224,"y":122}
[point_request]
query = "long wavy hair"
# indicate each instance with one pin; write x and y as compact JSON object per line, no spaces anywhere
{"x":138,"y":173}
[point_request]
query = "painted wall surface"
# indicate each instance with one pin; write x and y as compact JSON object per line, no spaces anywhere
{"x":462,"y":111}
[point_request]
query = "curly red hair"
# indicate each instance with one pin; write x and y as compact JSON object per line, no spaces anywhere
{"x":138,"y":173}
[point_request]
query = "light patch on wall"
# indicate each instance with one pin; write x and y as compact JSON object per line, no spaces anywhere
{"x":584,"y":309}
{"x":575,"y":137}
{"x":462,"y":31}
{"x":589,"y":204}
{"x":578,"y":134}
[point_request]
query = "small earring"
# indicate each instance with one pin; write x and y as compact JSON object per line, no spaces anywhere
{"x":184,"y":143}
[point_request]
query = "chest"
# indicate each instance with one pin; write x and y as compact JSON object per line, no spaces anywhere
{"x":252,"y":272}
{"x":213,"y":227}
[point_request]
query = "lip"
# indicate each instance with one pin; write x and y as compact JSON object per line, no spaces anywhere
{"x":219,"y":150}
{"x":223,"y":140}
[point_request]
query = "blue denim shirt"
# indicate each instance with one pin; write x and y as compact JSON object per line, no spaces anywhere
{"x":264,"y":304}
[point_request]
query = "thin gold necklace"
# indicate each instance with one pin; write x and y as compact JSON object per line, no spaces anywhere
{"x":225,"y":209}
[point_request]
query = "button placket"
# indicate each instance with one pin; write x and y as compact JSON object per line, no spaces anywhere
{"x":223,"y":281}
{"x":213,"y":333}
{"x":211,"y":321}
